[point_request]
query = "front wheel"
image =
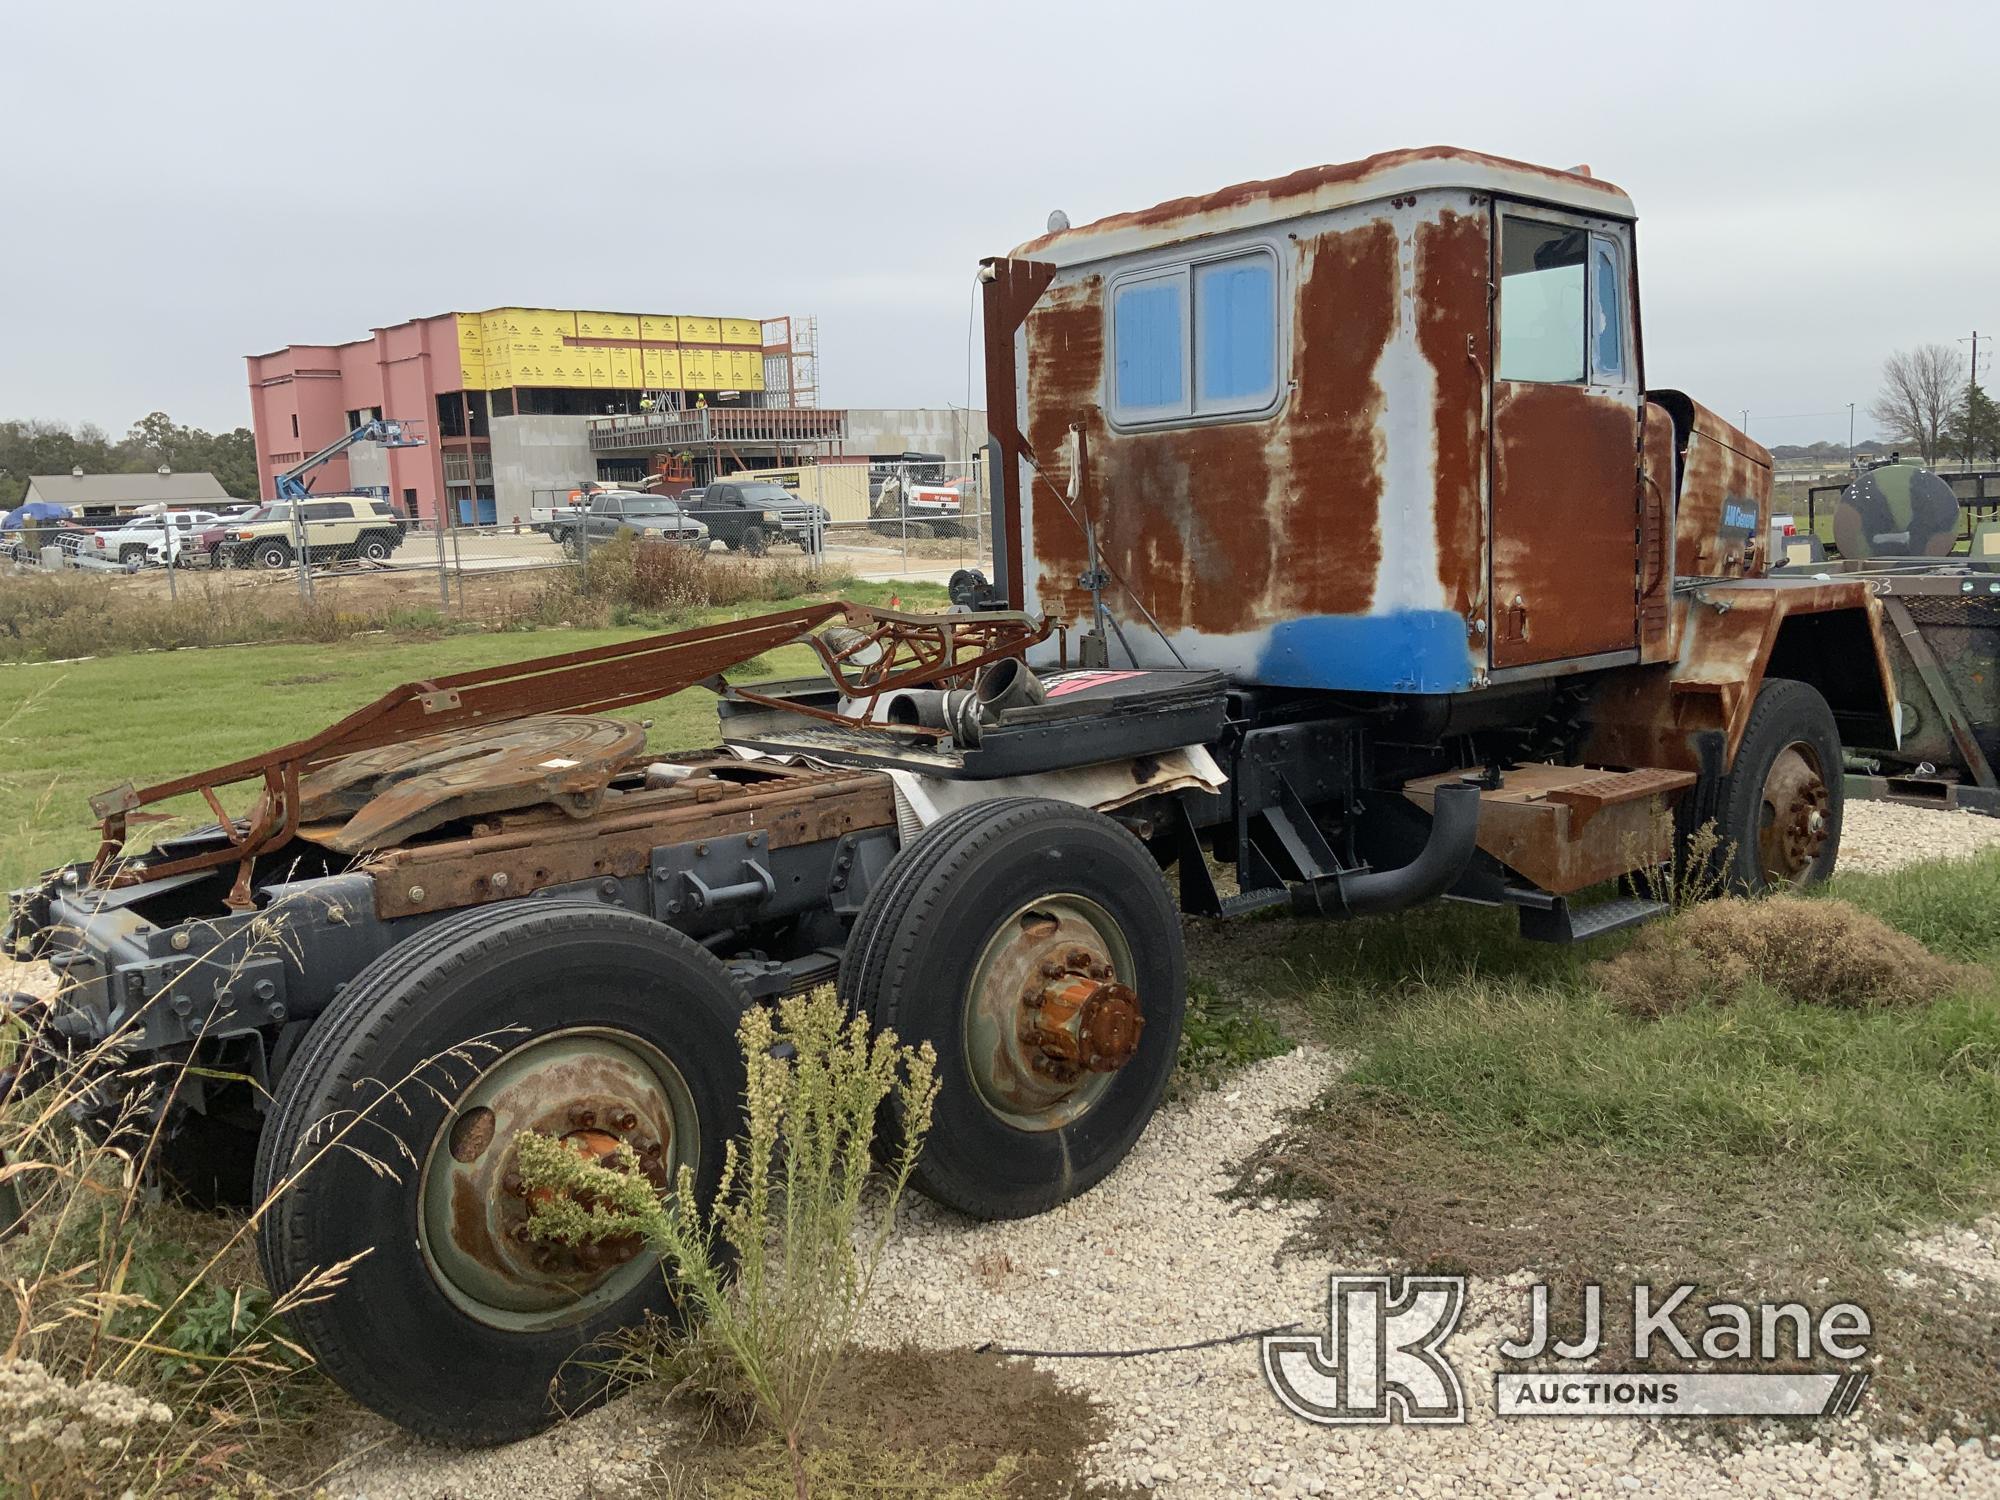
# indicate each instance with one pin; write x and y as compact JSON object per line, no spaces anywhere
{"x":1778,"y":812}
{"x":1034,"y":945}
{"x":132,"y":557}
{"x":587,"y":1023}
{"x":755,"y":542}
{"x":273,"y":555}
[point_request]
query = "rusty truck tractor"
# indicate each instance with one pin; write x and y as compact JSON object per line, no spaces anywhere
{"x":1345,"y":560}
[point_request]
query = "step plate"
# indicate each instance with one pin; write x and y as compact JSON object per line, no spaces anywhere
{"x":1563,"y":924}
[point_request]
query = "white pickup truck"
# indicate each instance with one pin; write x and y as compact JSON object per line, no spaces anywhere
{"x":149,"y":540}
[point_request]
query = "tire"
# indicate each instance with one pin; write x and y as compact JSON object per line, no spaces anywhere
{"x":860,"y":961}
{"x":409,"y":1334}
{"x":127,"y":556}
{"x":755,"y":542}
{"x":571,"y":545}
{"x":374,"y":548}
{"x":966,"y":919}
{"x":1779,"y":808}
{"x":271,"y":555}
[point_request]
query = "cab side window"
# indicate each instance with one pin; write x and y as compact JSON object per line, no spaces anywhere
{"x":1542,"y":300}
{"x":1607,"y":311}
{"x":1198,"y":339}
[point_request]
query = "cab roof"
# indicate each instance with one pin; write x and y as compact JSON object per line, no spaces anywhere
{"x":1315,"y":190}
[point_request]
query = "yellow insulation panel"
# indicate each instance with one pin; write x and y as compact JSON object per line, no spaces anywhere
{"x":661,"y":369}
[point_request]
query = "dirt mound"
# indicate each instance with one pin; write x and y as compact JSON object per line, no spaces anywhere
{"x":1813,"y":952}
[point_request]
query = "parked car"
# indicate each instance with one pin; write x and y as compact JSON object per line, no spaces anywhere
{"x":336,"y":527}
{"x":749,"y":516}
{"x":151,"y":539}
{"x":208,"y":544}
{"x":651,"y":517}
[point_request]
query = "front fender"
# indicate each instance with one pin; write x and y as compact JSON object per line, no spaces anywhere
{"x":1828,"y":632}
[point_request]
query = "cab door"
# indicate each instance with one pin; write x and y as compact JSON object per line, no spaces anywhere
{"x":1565,"y":434}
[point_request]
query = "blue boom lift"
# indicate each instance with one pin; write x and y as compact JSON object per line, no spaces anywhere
{"x":291,"y":484}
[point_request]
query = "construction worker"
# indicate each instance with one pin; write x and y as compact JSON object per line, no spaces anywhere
{"x":646,"y":402}
{"x":701,"y":402}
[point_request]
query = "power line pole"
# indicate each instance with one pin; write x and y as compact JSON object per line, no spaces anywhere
{"x":1971,"y":385}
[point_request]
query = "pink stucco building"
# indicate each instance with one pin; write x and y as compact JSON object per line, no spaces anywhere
{"x":305,"y":396}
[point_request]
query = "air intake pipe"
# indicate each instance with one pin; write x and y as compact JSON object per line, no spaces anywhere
{"x":1008,"y":683}
{"x":1359,"y":893}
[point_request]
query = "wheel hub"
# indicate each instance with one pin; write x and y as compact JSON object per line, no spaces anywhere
{"x":608,"y":1097}
{"x":1052,"y":1013}
{"x":1082,"y":1021}
{"x":1794,"y":820}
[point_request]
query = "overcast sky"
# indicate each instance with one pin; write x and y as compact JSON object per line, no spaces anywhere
{"x":187,"y":183}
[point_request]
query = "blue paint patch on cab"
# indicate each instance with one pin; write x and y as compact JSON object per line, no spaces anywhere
{"x":1408,"y":651}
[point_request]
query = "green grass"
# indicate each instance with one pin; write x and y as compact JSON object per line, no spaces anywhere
{"x":69,"y":730}
{"x":1219,"y":1035}
{"x":1512,"y":1048}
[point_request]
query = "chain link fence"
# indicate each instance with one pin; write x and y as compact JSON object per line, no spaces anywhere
{"x":872,"y":523}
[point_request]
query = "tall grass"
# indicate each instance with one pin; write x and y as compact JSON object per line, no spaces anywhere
{"x":773,"y":1265}
{"x":144,"y":1352}
{"x":60,"y":616}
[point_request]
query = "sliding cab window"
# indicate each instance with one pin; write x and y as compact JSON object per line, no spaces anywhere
{"x":1195,"y":340}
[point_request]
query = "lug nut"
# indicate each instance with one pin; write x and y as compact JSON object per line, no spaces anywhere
{"x":628,"y":1121}
{"x":512,"y":1186}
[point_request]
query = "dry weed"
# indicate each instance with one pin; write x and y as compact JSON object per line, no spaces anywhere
{"x":1812,"y":952}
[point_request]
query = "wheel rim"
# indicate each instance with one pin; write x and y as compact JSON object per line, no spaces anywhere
{"x":1794,"y":818}
{"x":1052,"y":1012}
{"x":595,"y":1089}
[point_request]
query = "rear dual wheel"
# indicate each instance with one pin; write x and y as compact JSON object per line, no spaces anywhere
{"x":590,"y":1024}
{"x":1033,"y":944}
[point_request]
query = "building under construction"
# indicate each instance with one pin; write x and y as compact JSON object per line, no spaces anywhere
{"x":507,"y":400}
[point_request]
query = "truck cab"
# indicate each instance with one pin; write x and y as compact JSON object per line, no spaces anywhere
{"x":1377,"y":436}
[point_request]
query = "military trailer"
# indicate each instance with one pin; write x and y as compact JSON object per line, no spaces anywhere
{"x":1345,"y":560}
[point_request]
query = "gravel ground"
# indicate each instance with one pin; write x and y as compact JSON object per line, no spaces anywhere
{"x":1876,"y":837}
{"x":1153,"y":1256}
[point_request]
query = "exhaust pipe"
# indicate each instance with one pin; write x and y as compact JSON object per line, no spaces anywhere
{"x":1360,"y":893}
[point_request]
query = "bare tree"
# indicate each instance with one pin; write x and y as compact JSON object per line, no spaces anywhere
{"x":1921,"y":389}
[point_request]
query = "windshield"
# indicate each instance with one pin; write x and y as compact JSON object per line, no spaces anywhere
{"x":271,"y":512}
{"x":767,"y":494}
{"x":651,"y":506}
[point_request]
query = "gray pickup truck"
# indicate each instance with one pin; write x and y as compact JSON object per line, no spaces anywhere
{"x":651,"y":518}
{"x":749,"y":515}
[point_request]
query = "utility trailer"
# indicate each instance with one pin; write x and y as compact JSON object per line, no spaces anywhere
{"x":1897,"y":528}
{"x":1344,"y":561}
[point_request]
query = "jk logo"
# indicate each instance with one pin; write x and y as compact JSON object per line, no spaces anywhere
{"x":1378,"y":1360}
